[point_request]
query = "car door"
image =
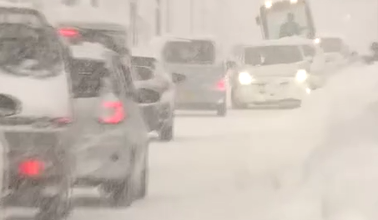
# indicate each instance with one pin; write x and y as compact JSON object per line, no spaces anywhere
{"x":136,"y":129}
{"x":135,"y":126}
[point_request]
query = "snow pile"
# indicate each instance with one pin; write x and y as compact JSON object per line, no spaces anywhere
{"x":339,"y":178}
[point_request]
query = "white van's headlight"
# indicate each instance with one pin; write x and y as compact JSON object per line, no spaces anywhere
{"x":245,"y":78}
{"x":301,"y":76}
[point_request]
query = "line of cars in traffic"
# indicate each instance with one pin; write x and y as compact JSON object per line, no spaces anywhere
{"x":76,"y":108}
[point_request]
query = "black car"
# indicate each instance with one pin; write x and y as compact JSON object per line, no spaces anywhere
{"x":111,"y":144}
{"x":36,"y":112}
{"x":148,"y":73}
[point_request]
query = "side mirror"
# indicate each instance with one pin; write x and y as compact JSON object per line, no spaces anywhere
{"x":146,"y":96}
{"x":9,"y":105}
{"x":177,"y":77}
{"x":144,"y":73}
{"x":258,"y":21}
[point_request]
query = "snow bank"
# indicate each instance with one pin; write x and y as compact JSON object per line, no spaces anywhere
{"x":339,"y":177}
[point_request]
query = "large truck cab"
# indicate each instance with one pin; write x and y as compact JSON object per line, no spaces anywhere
{"x":273,"y":15}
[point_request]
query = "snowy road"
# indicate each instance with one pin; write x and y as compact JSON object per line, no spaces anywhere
{"x":220,"y":168}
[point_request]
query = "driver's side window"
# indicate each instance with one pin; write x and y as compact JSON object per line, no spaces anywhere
{"x":127,"y":80}
{"x":143,"y":73}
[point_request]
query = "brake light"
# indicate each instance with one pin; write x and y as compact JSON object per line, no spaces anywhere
{"x":221,"y":85}
{"x":113,"y":113}
{"x":31,"y":168}
{"x":68,"y":32}
{"x":63,"y":121}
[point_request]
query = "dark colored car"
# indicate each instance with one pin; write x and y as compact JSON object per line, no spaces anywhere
{"x":149,"y":74}
{"x":35,"y":114}
{"x":205,"y":87}
{"x":111,"y":144}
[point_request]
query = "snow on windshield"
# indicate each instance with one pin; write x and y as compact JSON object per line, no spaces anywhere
{"x":193,"y":52}
{"x":271,"y":55}
{"x":26,"y":51}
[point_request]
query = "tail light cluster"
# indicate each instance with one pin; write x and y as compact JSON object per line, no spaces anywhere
{"x":221,"y":85}
{"x":31,"y":168}
{"x":72,"y":35}
{"x":112,"y":112}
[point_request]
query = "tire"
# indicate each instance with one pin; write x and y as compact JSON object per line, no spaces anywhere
{"x":166,"y":132}
{"x":57,"y":207}
{"x":142,"y":188}
{"x":222,"y":109}
{"x":121,"y":192}
{"x":235,"y":104}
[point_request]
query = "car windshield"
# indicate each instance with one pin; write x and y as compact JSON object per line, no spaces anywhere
{"x":27,"y":51}
{"x":86,"y":76}
{"x":190,"y":52}
{"x":271,"y":55}
{"x":331,"y":44}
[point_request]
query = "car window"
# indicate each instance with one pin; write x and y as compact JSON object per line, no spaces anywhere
{"x":91,"y":78}
{"x":308,"y":51}
{"x":190,"y":52}
{"x":27,"y":51}
{"x":126,"y":77}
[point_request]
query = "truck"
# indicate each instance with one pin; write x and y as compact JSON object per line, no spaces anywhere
{"x":272,"y":15}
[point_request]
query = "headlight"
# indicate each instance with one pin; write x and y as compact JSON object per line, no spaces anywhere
{"x":245,"y":78}
{"x":301,"y":76}
{"x":317,"y":41}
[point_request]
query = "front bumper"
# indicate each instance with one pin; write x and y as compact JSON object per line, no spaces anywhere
{"x":270,"y":93}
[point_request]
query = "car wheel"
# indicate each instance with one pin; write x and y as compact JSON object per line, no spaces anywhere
{"x":222,"y":109}
{"x":235,"y":104}
{"x":143,"y":179}
{"x":122,"y":192}
{"x":167,"y":130}
{"x":57,"y":207}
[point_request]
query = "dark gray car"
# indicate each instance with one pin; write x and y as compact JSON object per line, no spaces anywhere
{"x":111,"y":144}
{"x":150,"y":74}
{"x":204,"y":87}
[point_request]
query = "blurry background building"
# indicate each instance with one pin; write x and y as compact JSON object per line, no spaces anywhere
{"x":230,"y":21}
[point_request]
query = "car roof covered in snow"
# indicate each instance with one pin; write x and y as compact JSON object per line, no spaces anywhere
{"x":109,"y":26}
{"x":331,"y":35}
{"x":281,"y":42}
{"x":20,"y":5}
{"x":91,"y":51}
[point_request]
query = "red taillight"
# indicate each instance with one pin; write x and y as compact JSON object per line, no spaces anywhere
{"x":116,"y":115}
{"x":221,"y":85}
{"x":63,"y":121}
{"x":31,"y":168}
{"x":68,"y":32}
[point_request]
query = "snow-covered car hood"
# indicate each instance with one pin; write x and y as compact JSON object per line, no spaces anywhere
{"x":38,"y":97}
{"x":279,"y":70}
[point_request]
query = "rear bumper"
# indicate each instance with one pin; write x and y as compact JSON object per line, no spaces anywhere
{"x":252,"y":94}
{"x":200,"y":100}
{"x":102,"y":157}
